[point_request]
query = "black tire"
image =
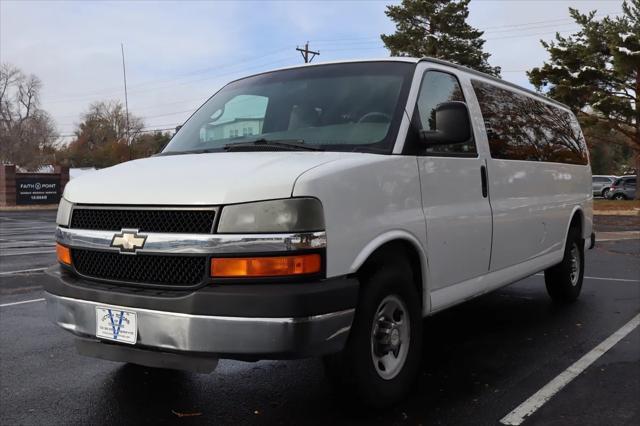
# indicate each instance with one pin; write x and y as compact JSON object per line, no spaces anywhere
{"x":619,"y":196}
{"x":604,"y":192}
{"x":564,"y":280}
{"x":353,"y":372}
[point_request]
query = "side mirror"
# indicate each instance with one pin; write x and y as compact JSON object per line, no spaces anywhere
{"x":452,"y":125}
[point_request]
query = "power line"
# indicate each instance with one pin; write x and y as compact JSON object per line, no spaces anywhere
{"x":143,"y":130}
{"x":177,"y":83}
{"x":341,"y":41}
{"x":137,"y":87}
{"x":546,"y":21}
{"x":358,"y":43}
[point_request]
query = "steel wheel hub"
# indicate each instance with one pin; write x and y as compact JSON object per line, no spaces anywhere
{"x":574,"y":265}
{"x":390,"y":337}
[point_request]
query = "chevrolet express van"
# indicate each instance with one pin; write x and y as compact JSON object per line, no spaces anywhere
{"x":324,"y":210}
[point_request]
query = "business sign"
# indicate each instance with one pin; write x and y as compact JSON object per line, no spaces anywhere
{"x":38,"y":190}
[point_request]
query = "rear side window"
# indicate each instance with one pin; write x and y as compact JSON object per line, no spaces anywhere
{"x":436,"y":88}
{"x":520,"y":127}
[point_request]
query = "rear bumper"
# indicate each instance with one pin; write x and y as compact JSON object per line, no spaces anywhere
{"x":290,"y":327}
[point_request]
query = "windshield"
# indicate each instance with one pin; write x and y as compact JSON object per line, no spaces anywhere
{"x":337,"y":107}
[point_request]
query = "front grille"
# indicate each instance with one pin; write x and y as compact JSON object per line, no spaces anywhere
{"x":155,"y":220}
{"x":140,"y":268}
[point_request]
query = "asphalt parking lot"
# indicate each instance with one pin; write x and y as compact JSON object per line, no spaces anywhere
{"x":482,"y":359}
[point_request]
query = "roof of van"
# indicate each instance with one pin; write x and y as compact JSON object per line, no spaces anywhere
{"x":424,"y":59}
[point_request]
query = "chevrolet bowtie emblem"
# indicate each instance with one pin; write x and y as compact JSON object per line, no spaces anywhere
{"x":128,"y":241}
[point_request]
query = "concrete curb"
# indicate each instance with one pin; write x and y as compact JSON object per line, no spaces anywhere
{"x":617,"y":236}
{"x":616,"y":212}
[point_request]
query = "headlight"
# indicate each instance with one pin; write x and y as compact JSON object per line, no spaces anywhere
{"x":288,"y":215}
{"x":64,"y":212}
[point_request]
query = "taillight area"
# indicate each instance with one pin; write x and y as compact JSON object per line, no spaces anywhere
{"x":269,"y":266}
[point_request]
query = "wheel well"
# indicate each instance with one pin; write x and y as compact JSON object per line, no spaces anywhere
{"x":387,"y":252}
{"x":576,"y":221}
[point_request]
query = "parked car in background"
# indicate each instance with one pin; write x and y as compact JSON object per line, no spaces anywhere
{"x":624,"y":188}
{"x":601,"y":184}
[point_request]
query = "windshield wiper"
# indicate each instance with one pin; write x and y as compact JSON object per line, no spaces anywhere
{"x":286,"y":144}
{"x":193,"y":151}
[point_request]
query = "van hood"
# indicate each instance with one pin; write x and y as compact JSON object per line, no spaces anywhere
{"x":197,"y":179}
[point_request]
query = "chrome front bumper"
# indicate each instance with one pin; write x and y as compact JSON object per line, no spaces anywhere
{"x":220,"y":336}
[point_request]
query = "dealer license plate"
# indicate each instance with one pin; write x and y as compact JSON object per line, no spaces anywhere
{"x":113,"y":323}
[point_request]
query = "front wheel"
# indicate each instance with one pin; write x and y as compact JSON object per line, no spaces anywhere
{"x":382,"y":357}
{"x":605,"y":192}
{"x":564,"y":280}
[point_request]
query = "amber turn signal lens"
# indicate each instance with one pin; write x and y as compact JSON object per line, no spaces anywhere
{"x":234,"y":267}
{"x":64,"y":254}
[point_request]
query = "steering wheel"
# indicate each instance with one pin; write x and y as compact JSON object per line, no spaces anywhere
{"x":377,"y":117}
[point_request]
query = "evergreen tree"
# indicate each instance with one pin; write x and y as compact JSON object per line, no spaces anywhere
{"x":437,"y":28}
{"x":596,"y":71}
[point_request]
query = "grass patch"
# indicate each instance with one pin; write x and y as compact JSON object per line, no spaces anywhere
{"x":609,"y":205}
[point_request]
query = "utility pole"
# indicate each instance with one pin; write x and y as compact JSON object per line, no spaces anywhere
{"x":126,"y":100}
{"x":305,"y":53}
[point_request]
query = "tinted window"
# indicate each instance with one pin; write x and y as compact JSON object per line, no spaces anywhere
{"x":600,"y":179}
{"x":439,"y":87}
{"x":520,"y":127}
{"x":630,"y":182}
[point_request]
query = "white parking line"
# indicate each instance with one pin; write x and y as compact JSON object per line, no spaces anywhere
{"x":21,"y":303}
{"x":27,"y":252}
{"x":22,"y":271}
{"x":626,"y":280}
{"x":7,"y":231}
{"x":538,"y":399}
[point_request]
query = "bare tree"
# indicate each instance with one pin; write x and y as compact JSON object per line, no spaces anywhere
{"x":27,"y":133}
{"x":106,"y":121}
{"x":101,"y":137}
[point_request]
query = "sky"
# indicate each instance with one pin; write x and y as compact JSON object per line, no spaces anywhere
{"x":179,"y":53}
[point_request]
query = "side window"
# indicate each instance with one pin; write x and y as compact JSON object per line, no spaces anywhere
{"x":520,"y":127}
{"x":438,"y":87}
{"x":239,"y":117}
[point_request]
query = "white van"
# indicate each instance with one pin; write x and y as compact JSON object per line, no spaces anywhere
{"x":324,"y":210}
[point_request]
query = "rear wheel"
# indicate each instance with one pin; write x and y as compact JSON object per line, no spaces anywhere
{"x":382,"y":357}
{"x":619,"y":196}
{"x":564,"y":280}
